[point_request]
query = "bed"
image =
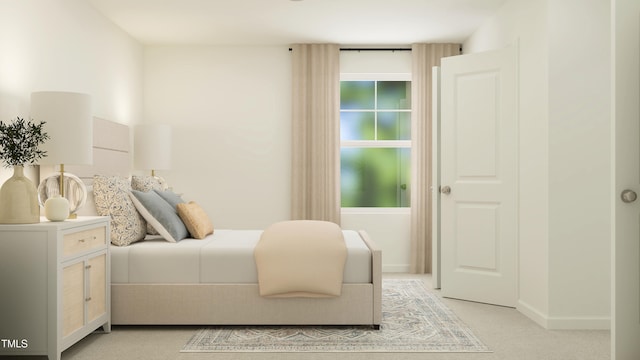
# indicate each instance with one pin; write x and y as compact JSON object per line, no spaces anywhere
{"x":217,"y":285}
{"x":213,"y":280}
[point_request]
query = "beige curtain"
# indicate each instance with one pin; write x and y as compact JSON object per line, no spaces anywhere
{"x":316,"y":132}
{"x":424,"y":57}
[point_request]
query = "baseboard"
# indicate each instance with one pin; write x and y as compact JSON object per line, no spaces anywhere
{"x":403,"y":268}
{"x":578,"y":323}
{"x":532,"y":313}
{"x":563,"y":323}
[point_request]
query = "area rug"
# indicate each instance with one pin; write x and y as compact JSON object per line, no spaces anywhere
{"x":413,"y":320}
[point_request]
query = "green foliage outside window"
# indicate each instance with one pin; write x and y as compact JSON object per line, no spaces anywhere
{"x":375,"y":177}
{"x":375,"y":126}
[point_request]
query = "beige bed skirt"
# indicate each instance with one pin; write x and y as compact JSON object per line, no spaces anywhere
{"x":241,"y":304}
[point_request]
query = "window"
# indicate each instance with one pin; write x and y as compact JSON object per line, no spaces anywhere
{"x":375,"y":150}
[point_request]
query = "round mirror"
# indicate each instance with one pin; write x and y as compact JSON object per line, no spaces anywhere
{"x":74,"y":190}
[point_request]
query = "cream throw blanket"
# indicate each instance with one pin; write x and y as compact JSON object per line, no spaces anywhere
{"x":301,"y":258}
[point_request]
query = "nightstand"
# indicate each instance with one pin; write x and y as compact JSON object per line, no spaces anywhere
{"x":54,"y":284}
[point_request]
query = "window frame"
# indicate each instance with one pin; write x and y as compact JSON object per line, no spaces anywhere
{"x":407,"y":144}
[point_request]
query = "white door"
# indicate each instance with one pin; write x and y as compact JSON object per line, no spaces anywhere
{"x":478,"y":167}
{"x":625,"y":314}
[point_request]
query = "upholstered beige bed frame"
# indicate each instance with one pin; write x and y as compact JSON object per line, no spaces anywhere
{"x":223,"y":304}
{"x":241,"y":304}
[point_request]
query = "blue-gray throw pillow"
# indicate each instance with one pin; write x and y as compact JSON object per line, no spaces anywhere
{"x":170,"y":197}
{"x":160,"y":214}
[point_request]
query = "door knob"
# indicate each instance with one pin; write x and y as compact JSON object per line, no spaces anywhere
{"x":445,"y":190}
{"x":628,"y":196}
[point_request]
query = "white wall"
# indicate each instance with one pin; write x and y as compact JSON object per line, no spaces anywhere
{"x":579,"y":162}
{"x":66,"y":45}
{"x":390,"y":230}
{"x":564,"y":147}
{"x":230,"y":111}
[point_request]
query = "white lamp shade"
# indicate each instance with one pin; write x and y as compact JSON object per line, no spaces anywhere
{"x":69,"y":123}
{"x":152,"y":147}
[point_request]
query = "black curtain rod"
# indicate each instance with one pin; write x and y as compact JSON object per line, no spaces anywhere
{"x":375,"y":49}
{"x":372,"y":49}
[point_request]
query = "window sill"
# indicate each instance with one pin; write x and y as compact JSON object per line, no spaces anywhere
{"x":375,"y":210}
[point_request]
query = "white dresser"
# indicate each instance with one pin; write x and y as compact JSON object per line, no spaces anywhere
{"x":54,"y":284}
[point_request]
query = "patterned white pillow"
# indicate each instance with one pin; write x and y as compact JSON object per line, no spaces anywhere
{"x":146,"y":183}
{"x":111,"y":196}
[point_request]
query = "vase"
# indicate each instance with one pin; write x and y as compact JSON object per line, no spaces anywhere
{"x":19,"y":200}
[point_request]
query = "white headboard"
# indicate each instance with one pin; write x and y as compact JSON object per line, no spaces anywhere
{"x":111,"y":152}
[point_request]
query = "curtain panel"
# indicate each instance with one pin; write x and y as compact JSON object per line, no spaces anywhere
{"x":315,"y":182}
{"x":424,"y":58}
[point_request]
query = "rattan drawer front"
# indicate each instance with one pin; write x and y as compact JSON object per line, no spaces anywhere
{"x":83,"y":240}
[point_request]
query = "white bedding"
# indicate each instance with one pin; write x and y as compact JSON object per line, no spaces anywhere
{"x":226,"y":257}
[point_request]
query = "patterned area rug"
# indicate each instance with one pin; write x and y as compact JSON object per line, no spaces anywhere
{"x":413,"y":320}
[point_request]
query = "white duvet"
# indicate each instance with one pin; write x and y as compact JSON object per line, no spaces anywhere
{"x":224,"y":257}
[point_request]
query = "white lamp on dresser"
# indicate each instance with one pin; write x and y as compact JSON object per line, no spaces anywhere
{"x":69,"y":123}
{"x":152,"y":147}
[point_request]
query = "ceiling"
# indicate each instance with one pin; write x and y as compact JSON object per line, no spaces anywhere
{"x":285,"y":22}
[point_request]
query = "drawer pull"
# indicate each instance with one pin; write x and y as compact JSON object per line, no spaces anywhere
{"x":85,"y":240}
{"x":88,"y":299}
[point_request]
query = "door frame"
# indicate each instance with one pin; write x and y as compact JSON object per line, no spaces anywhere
{"x":625,"y":232}
{"x":435,"y":180}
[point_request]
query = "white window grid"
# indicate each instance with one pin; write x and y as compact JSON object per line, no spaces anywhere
{"x":406,"y":144}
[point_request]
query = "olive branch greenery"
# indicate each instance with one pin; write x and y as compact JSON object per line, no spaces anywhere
{"x":19,"y":141}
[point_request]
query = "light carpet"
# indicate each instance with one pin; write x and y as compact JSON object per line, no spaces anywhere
{"x":413,"y":320}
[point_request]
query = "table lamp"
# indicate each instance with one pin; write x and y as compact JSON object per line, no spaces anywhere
{"x":69,"y":123}
{"x":152,"y":147}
